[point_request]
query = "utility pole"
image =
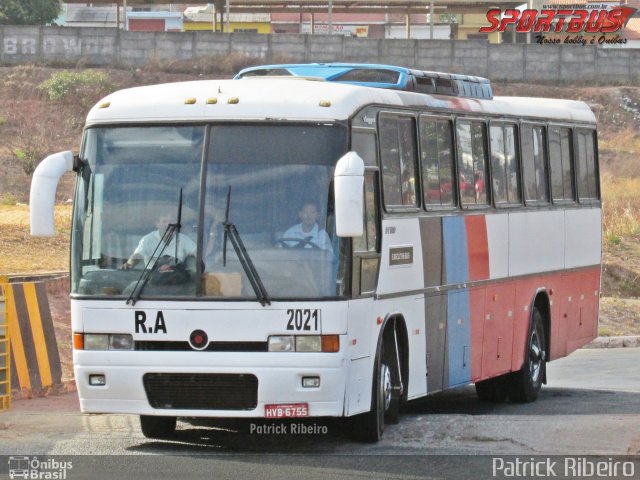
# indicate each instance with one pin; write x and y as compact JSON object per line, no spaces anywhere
{"x":330,"y":17}
{"x":228,"y":9}
{"x":431,"y":5}
{"x":126,"y":23}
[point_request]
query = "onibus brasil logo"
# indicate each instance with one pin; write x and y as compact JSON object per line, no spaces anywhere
{"x":592,"y":24}
{"x":36,"y":469}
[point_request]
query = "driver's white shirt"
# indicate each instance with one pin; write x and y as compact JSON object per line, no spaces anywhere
{"x":149,"y":242}
{"x":315,"y":236}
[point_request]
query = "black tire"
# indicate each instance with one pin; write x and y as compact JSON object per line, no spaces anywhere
{"x":392,"y":411}
{"x":369,"y":426}
{"x":525,"y":384}
{"x":493,"y":390}
{"x":157,"y":427}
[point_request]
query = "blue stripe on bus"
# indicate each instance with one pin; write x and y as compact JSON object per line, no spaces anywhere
{"x":459,"y":337}
{"x":455,"y":249}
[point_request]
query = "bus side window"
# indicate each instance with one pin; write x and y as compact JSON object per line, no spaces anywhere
{"x":586,"y":163}
{"x":436,"y":156}
{"x":364,"y":144}
{"x":472,"y":161}
{"x":398,"y":158}
{"x":561,"y":166}
{"x":534,"y":164}
{"x":505,"y":172}
{"x":365,"y":247}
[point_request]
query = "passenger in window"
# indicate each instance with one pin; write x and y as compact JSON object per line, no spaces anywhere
{"x":480,"y":186}
{"x":185,"y":251}
{"x":408,"y":188}
{"x":307,"y":233}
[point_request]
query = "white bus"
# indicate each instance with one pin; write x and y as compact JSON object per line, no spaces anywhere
{"x":278,"y":248}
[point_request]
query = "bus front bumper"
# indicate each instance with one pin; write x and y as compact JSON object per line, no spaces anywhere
{"x":127,"y":390}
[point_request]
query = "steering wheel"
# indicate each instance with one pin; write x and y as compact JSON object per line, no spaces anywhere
{"x":298,"y":243}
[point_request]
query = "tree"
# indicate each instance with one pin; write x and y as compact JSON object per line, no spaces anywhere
{"x":28,"y":12}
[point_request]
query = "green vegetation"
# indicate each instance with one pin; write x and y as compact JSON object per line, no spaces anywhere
{"x":29,"y":12}
{"x":79,"y":83}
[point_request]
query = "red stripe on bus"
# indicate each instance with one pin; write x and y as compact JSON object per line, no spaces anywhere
{"x":500,"y":315}
{"x":477,"y":247}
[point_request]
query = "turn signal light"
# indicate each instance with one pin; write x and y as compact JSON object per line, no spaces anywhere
{"x":330,"y":343}
{"x":78,"y":341}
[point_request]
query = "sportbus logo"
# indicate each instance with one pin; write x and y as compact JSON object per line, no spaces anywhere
{"x":591,"y":24}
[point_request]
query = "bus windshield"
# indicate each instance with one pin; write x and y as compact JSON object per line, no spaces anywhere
{"x":272,"y":182}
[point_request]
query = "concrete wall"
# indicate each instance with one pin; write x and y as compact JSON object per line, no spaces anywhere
{"x":110,"y":47}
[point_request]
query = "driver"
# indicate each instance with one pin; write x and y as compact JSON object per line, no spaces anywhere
{"x":307,"y":231}
{"x":144,"y":250}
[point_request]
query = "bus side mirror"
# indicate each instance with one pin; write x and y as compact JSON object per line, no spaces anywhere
{"x":348,"y":181}
{"x":43,"y":192}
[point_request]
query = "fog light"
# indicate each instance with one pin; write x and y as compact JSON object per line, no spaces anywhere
{"x":282,"y":343}
{"x":97,"y":380}
{"x":311,"y":382}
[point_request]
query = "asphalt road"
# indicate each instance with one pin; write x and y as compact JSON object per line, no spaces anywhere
{"x":591,"y":406}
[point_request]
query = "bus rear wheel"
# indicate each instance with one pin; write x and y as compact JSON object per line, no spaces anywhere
{"x":157,"y":427}
{"x":525,"y":384}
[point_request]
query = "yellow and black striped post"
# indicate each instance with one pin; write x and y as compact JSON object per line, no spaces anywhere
{"x":34,"y":359}
{"x":5,"y":357}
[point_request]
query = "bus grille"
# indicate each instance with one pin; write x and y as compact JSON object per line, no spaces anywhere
{"x":201,"y":391}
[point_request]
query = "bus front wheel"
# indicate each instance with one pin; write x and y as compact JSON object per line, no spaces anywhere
{"x":525,"y":385}
{"x":157,"y":427}
{"x":369,"y":426}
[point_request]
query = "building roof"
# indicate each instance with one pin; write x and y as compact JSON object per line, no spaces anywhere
{"x":83,"y":14}
{"x":298,"y":99}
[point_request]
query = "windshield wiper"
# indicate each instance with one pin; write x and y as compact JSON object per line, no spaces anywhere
{"x":230,"y":231}
{"x":171,"y":230}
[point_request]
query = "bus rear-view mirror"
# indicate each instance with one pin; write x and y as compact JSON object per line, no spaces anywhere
{"x":43,"y":192}
{"x":349,"y":198}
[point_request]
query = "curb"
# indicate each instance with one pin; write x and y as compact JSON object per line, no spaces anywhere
{"x":630,"y":341}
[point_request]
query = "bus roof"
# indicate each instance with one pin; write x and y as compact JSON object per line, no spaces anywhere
{"x":380,"y":76}
{"x":302,"y":99}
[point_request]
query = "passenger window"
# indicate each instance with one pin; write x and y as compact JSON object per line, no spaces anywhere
{"x":560,"y":148}
{"x":472,"y":162}
{"x":436,"y":152}
{"x":505,"y":172}
{"x":398,"y":158}
{"x":534,"y":164}
{"x":368,"y":242}
{"x":587,"y":168}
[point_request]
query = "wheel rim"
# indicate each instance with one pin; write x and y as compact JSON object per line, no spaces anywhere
{"x":385,"y":383}
{"x":536,"y":355}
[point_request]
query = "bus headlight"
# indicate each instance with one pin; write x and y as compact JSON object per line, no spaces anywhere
{"x":281,"y":343}
{"x":304,"y":343}
{"x":120,"y":342}
{"x":311,"y":343}
{"x":103,"y":341}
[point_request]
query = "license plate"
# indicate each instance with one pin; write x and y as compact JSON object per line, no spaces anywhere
{"x":292,"y":410}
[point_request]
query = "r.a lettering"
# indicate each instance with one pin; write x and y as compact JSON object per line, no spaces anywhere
{"x":141,"y":319}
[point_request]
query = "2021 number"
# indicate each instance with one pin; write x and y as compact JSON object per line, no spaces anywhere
{"x":303,"y":320}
